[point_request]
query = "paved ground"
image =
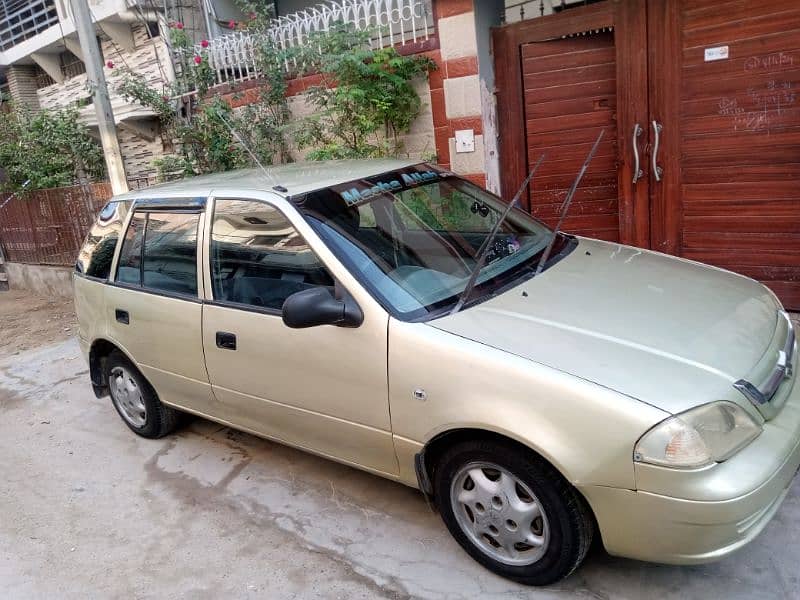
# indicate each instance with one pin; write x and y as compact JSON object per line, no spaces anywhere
{"x":87,"y":509}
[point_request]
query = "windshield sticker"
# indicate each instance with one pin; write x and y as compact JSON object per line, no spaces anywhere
{"x":407,"y":180}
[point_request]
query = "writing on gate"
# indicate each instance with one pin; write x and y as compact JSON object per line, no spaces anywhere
{"x":406,"y":181}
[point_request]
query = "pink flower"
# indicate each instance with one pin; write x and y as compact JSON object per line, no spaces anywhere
{"x":178,"y":25}
{"x":110,"y":64}
{"x":232,"y":24}
{"x":198,"y":60}
{"x":253,"y":16}
{"x":204,"y":43}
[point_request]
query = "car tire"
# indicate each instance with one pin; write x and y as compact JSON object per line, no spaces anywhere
{"x":483,"y":488}
{"x":136,"y":401}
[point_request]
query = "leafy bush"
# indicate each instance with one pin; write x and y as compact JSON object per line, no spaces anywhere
{"x":366,"y":99}
{"x":51,"y":148}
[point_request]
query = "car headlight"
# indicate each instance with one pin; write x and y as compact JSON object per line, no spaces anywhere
{"x":697,"y":437}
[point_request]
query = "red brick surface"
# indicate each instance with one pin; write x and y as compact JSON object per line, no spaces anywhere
{"x":476,"y":178}
{"x":461,"y":67}
{"x":449,"y":8}
{"x":442,"y":136}
{"x":473,"y":123}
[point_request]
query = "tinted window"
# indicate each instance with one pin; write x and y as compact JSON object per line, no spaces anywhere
{"x":159,"y":252}
{"x":97,"y":253}
{"x":129,"y":267}
{"x":170,"y":253}
{"x":257,"y":256}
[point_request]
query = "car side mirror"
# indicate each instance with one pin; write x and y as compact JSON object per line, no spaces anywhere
{"x":318,"y":306}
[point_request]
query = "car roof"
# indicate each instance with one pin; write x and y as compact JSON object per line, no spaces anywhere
{"x":293,"y":178}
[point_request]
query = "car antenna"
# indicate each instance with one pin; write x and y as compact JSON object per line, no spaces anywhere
{"x":481,"y":256}
{"x":244,"y":145}
{"x":567,"y":202}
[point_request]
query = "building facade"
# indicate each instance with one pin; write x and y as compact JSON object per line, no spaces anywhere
{"x":42,"y":63}
{"x":697,"y":99}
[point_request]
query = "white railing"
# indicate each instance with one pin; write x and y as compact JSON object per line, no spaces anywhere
{"x":233,"y":56}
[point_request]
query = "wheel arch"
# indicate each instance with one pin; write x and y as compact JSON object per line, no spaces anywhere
{"x":99,"y":352}
{"x":425,"y":460}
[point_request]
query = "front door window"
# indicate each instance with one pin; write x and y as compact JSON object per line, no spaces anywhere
{"x":258,"y":258}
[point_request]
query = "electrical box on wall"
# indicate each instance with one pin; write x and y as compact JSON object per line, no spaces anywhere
{"x":465,"y":140}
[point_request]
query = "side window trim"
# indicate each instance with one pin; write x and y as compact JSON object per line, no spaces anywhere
{"x":112,"y":279}
{"x":197,"y":206}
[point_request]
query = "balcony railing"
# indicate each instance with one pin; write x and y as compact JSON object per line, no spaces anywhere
{"x":233,"y":57}
{"x":23,"y":19}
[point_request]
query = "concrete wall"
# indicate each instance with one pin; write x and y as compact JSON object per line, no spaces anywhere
{"x":43,"y":280}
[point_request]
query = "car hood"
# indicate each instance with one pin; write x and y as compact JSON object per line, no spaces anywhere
{"x":667,"y":331}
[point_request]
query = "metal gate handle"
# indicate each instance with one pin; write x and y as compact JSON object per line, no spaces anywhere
{"x":657,"y":171}
{"x":637,"y":171}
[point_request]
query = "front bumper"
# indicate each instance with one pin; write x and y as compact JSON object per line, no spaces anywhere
{"x":728,"y":504}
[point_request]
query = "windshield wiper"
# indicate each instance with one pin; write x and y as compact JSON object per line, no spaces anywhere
{"x":483,"y":251}
{"x":567,"y":202}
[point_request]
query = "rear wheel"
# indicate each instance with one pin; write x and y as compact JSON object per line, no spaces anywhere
{"x":136,"y":400}
{"x":512,"y":511}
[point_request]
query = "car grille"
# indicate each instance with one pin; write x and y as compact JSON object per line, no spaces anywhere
{"x":765,"y":395}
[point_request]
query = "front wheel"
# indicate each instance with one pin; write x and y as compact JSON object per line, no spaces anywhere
{"x":512,"y":511}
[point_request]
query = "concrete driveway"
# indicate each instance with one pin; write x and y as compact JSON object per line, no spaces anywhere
{"x":87,"y":509}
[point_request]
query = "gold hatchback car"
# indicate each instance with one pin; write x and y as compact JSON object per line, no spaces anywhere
{"x":539,"y":388}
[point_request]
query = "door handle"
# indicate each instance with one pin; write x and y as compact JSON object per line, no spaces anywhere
{"x":122,"y":316}
{"x":637,"y":171}
{"x":226,"y":341}
{"x":657,"y":171}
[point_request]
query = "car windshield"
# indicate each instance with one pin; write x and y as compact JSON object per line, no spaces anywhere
{"x":412,"y":237}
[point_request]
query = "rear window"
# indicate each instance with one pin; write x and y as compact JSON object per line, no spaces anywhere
{"x":159,"y":252}
{"x":94,"y":259}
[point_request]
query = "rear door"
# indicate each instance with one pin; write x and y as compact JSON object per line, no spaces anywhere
{"x":153,"y":304}
{"x":324,"y":388}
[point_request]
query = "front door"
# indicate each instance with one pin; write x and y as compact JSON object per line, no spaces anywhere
{"x":324,"y":389}
{"x":701,"y":109}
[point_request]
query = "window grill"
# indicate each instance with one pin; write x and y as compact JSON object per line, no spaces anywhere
{"x":23,"y":19}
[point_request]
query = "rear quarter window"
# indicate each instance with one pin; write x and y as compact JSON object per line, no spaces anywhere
{"x":94,"y":259}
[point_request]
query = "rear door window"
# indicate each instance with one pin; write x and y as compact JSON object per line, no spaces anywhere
{"x":97,"y":252}
{"x":170,"y":253}
{"x":159,"y":252}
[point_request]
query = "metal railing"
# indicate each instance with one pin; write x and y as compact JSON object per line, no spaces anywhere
{"x":48,"y":226}
{"x":234,"y":57}
{"x":23,"y":19}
